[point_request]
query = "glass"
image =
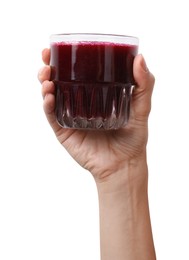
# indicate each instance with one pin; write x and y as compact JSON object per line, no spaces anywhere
{"x":93,"y":76}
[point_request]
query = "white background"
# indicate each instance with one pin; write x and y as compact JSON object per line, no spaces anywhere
{"x":48,"y":204}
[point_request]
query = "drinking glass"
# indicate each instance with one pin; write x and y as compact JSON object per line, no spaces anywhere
{"x":93,"y":77}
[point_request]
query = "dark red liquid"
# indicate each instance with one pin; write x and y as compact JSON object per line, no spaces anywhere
{"x":93,"y":83}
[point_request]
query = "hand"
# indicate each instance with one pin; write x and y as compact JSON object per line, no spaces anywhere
{"x":104,"y":153}
{"x":117,"y":160}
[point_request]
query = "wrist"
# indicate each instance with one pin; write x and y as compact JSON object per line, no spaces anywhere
{"x":125,"y":227}
{"x":130,"y":175}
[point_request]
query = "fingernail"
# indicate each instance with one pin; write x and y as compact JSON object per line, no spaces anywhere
{"x":143,"y":64}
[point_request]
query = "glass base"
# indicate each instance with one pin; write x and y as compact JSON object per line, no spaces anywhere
{"x":84,"y":105}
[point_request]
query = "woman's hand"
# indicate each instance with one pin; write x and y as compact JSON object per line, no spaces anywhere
{"x":117,"y":160}
{"x":104,"y":153}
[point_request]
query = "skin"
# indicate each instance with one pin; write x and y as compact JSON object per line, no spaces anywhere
{"x":117,"y":161}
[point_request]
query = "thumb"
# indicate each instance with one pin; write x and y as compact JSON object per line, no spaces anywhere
{"x":141,"y":100}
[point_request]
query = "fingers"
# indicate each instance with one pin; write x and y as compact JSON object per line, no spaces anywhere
{"x":141,"y":102}
{"x":48,"y":93}
{"x":143,"y":77}
{"x":49,"y":107}
{"x":47,"y":88}
{"x":46,"y":56}
{"x":44,"y":74}
{"x":49,"y":104}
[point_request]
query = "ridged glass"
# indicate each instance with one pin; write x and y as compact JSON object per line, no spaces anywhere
{"x":93,"y":76}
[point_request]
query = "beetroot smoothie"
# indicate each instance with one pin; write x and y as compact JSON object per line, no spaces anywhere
{"x":94,"y":82}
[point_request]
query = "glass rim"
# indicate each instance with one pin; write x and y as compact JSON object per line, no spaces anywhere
{"x":94,"y":37}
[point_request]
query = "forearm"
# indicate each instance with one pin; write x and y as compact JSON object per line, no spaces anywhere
{"x":125,"y":227}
